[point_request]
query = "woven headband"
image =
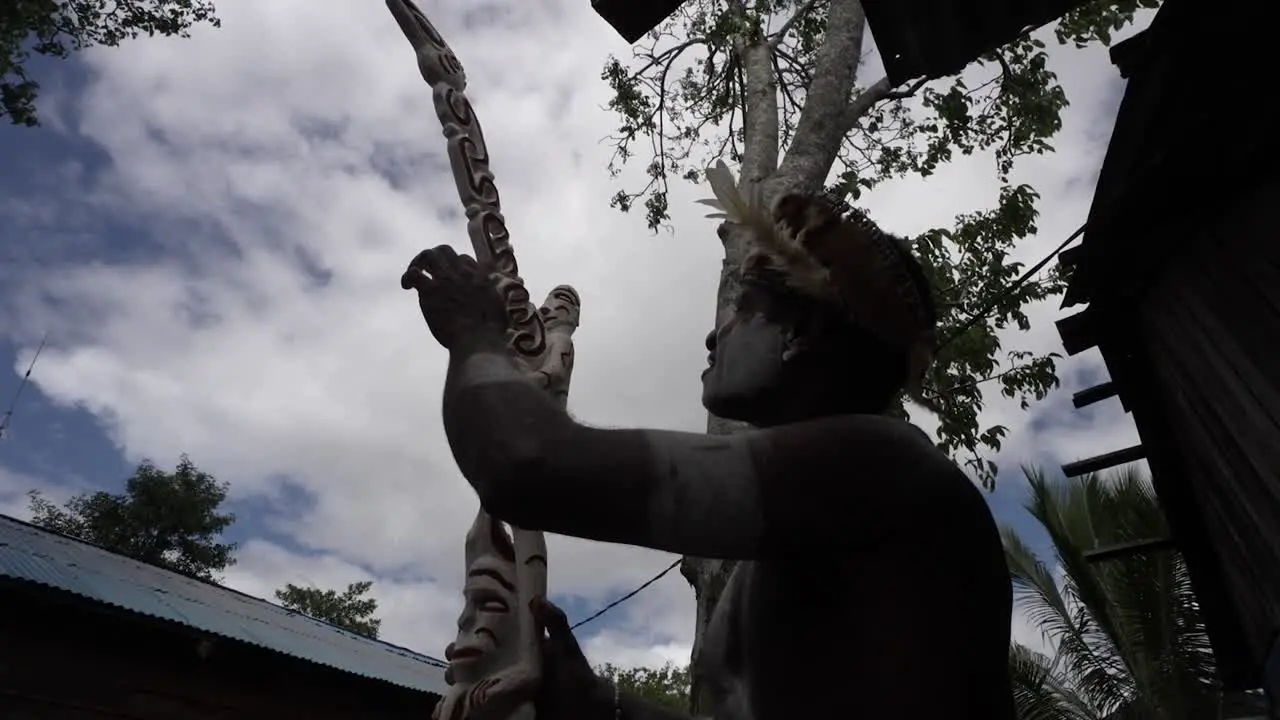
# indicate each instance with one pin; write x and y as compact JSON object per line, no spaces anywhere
{"x":829,"y":252}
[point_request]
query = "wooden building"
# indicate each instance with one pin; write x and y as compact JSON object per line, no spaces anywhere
{"x":87,"y":634}
{"x":1180,"y":269}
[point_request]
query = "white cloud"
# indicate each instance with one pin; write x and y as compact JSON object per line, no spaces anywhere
{"x":291,"y":135}
{"x":416,"y":614}
{"x":15,"y":486}
{"x":13,"y":493}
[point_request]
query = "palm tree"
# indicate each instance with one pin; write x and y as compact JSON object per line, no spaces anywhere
{"x":1039,"y":690}
{"x":1129,"y":640}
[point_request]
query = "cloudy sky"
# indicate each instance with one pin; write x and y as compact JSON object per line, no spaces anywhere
{"x":211,"y":232}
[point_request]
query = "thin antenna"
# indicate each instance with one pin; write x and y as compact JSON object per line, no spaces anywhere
{"x":13,"y":404}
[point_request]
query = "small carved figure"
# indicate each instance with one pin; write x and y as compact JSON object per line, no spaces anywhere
{"x":871,"y":578}
{"x":560,"y":314}
{"x":469,"y":160}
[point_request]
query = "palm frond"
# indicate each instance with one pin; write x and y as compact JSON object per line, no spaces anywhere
{"x":1039,"y":691}
{"x":1128,"y":632}
{"x":1092,"y":657}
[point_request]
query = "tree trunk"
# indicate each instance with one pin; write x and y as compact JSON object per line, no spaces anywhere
{"x":826,"y":118}
{"x":709,"y":576}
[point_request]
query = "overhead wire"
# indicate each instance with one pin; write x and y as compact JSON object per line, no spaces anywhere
{"x":1105,"y":210}
{"x":626,"y":597}
{"x":7,"y":419}
{"x":1009,"y":290}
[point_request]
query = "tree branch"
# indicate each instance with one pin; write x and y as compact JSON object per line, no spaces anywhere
{"x":776,"y":39}
{"x":760,"y":120}
{"x":879,"y":91}
{"x":908,"y":91}
{"x":759,"y":98}
{"x":670,"y":54}
{"x":794,"y":66}
{"x":820,"y":130}
{"x":979,"y":381}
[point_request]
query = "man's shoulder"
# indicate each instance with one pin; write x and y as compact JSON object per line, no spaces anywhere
{"x":856,"y":422}
{"x":870,"y":451}
{"x":894,"y":434}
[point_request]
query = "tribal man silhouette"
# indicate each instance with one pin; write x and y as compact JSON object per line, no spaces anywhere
{"x":872,"y":581}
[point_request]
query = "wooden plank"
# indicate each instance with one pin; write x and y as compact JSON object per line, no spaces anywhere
{"x":1094,"y":394}
{"x":132,"y":666}
{"x":1068,"y":259}
{"x":1111,"y":552}
{"x":1104,"y":461}
{"x":1079,"y":332}
{"x":1072,"y":264}
{"x":1271,"y":671}
{"x":633,"y":19}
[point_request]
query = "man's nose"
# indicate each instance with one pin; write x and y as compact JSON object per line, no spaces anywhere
{"x":711,"y":340}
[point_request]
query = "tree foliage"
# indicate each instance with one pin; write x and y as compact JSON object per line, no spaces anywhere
{"x":167,"y":519}
{"x":1128,"y":633}
{"x":349,"y":610}
{"x":56,"y":28}
{"x":774,"y":86}
{"x":667,"y":686}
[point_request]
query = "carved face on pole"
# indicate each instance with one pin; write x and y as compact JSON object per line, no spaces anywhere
{"x":489,"y":626}
{"x":562,"y":309}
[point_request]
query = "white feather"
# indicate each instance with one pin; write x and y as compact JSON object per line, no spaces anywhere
{"x":715,"y":205}
{"x":730,"y":203}
{"x":775,"y":241}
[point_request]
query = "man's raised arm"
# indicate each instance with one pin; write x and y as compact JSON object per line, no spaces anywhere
{"x":835,"y":480}
{"x":741,"y":497}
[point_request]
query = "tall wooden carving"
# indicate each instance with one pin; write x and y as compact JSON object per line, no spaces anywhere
{"x":495,"y":660}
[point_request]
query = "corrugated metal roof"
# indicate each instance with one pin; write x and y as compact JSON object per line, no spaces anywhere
{"x":39,"y":556}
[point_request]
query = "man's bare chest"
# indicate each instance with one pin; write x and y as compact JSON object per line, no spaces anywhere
{"x":774,"y":625}
{"x":842,"y":632}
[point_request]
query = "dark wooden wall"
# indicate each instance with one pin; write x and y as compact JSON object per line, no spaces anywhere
{"x":66,"y":659}
{"x":1211,"y":327}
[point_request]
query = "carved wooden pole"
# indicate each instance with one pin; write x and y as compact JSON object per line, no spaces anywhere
{"x":496,"y":658}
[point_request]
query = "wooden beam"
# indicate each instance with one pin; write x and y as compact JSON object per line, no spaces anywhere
{"x":1102,"y":462}
{"x":1128,"y":55}
{"x":632,"y":18}
{"x":1271,"y":672}
{"x":1068,"y":259}
{"x":1094,"y":394}
{"x":1111,"y":552}
{"x":1079,"y":332}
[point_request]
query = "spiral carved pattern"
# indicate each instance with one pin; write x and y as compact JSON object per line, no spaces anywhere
{"x":469,"y":160}
{"x":549,"y":353}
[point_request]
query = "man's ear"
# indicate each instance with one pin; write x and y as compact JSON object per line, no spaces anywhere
{"x":794,"y":344}
{"x":804,"y":334}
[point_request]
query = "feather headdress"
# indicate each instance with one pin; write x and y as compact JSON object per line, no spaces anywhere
{"x":825,"y":250}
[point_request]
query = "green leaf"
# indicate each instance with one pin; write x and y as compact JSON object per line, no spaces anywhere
{"x":667,"y":686}
{"x":166,"y":519}
{"x":349,"y":609}
{"x":57,"y":28}
{"x":1129,"y":638}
